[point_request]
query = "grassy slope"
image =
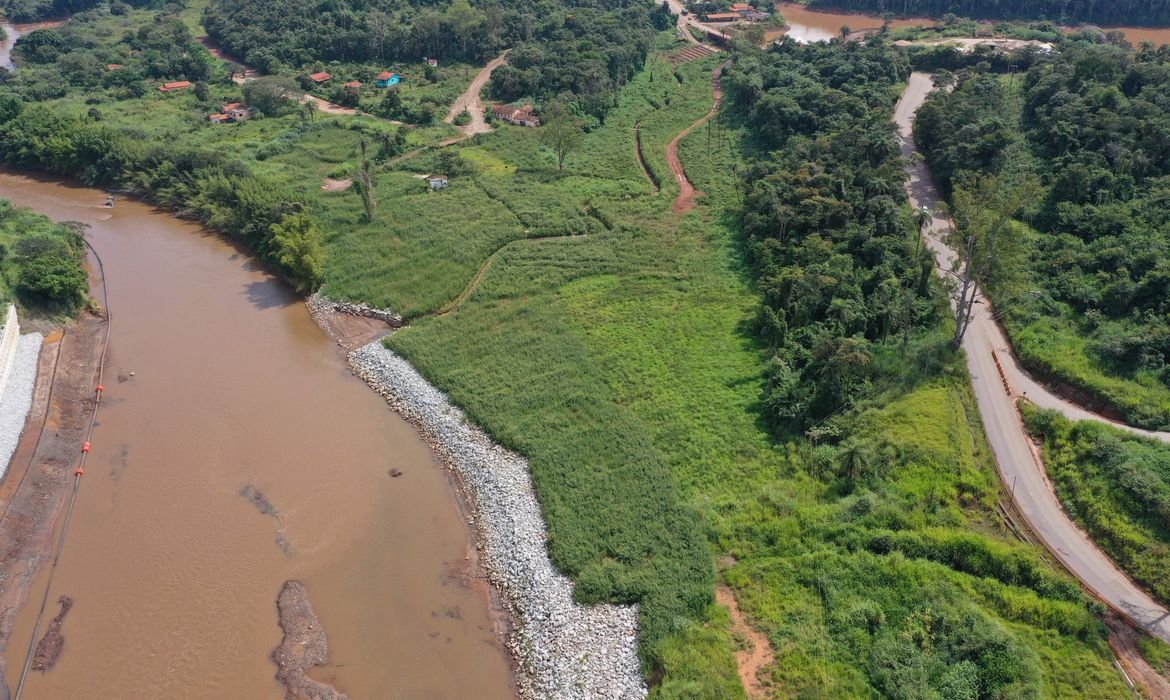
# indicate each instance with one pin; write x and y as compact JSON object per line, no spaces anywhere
{"x":641,"y":330}
{"x":1111,"y":482}
{"x":619,"y":363}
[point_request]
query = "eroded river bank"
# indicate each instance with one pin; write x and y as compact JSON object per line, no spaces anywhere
{"x":219,"y":387}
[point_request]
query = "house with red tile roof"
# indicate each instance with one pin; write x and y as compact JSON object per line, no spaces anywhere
{"x":321,"y":77}
{"x":520,"y":116}
{"x":177,"y":85}
{"x":352,"y":84}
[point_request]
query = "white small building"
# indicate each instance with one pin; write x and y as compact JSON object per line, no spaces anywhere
{"x":437,"y":182}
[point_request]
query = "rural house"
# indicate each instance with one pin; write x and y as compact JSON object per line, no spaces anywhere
{"x":321,"y":77}
{"x":175,"y":86}
{"x":356,"y":84}
{"x":385,"y":79}
{"x":232,"y":112}
{"x":238,"y":112}
{"x":437,"y":182}
{"x":520,"y":116}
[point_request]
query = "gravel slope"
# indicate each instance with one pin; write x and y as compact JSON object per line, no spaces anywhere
{"x":564,"y":650}
{"x":17,"y":398}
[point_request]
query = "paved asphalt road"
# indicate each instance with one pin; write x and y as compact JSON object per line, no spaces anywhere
{"x":1019,"y":466}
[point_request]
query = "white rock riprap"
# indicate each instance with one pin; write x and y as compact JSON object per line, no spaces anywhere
{"x":16,"y":399}
{"x":564,"y":650}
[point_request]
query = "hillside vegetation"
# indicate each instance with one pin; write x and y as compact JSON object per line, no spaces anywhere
{"x":587,"y":49}
{"x":1117,"y":487}
{"x":639,"y":359}
{"x":1084,"y":299}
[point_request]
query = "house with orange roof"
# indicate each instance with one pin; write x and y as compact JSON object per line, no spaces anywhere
{"x":321,"y":77}
{"x":175,"y":86}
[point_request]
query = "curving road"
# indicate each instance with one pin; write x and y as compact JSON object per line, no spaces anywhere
{"x":470,"y":100}
{"x":988,"y":353}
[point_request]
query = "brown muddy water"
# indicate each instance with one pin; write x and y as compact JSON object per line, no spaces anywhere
{"x":807,"y":25}
{"x":174,"y":574}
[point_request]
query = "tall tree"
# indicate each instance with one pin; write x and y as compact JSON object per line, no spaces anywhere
{"x":561,"y":132}
{"x":984,"y":206}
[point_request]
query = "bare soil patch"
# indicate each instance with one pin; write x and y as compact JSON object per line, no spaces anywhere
{"x":757,"y":656}
{"x":303,"y":647}
{"x":330,"y":185}
{"x":1123,"y":639}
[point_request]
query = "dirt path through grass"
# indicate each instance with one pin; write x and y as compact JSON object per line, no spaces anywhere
{"x":472,"y":102}
{"x":758,"y":654}
{"x":686,"y":191}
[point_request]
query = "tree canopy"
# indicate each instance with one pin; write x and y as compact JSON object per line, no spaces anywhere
{"x":826,"y":224}
{"x":1094,"y":123}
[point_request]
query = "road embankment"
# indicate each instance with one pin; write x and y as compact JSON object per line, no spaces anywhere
{"x":562,"y":649}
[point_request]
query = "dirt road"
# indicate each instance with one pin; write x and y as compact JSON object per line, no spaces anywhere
{"x":685,"y":201}
{"x":470,"y":100}
{"x":1019,"y":467}
{"x":326,"y":107}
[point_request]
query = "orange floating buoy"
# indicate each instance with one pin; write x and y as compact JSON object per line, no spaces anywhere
{"x":85,"y":447}
{"x":80,"y":471}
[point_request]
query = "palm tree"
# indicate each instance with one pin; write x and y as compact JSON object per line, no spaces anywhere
{"x":923,"y":217}
{"x":855,"y":457}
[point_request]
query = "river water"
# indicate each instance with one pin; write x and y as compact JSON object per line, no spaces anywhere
{"x":174,"y":573}
{"x":807,"y":25}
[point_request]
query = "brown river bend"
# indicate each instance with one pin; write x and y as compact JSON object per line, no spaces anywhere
{"x":807,"y":25}
{"x":174,"y":573}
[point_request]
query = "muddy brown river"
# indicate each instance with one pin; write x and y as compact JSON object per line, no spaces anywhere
{"x":807,"y":25}
{"x":174,"y":574}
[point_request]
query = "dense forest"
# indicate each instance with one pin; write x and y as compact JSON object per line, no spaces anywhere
{"x":34,"y":10}
{"x":853,"y":325}
{"x":826,"y":225}
{"x":1094,"y":123}
{"x":588,"y":48}
{"x":1121,"y":12}
{"x":208,"y":186}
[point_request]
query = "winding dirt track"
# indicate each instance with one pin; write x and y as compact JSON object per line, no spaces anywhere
{"x":1020,"y":468}
{"x":470,"y":100}
{"x":686,"y":191}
